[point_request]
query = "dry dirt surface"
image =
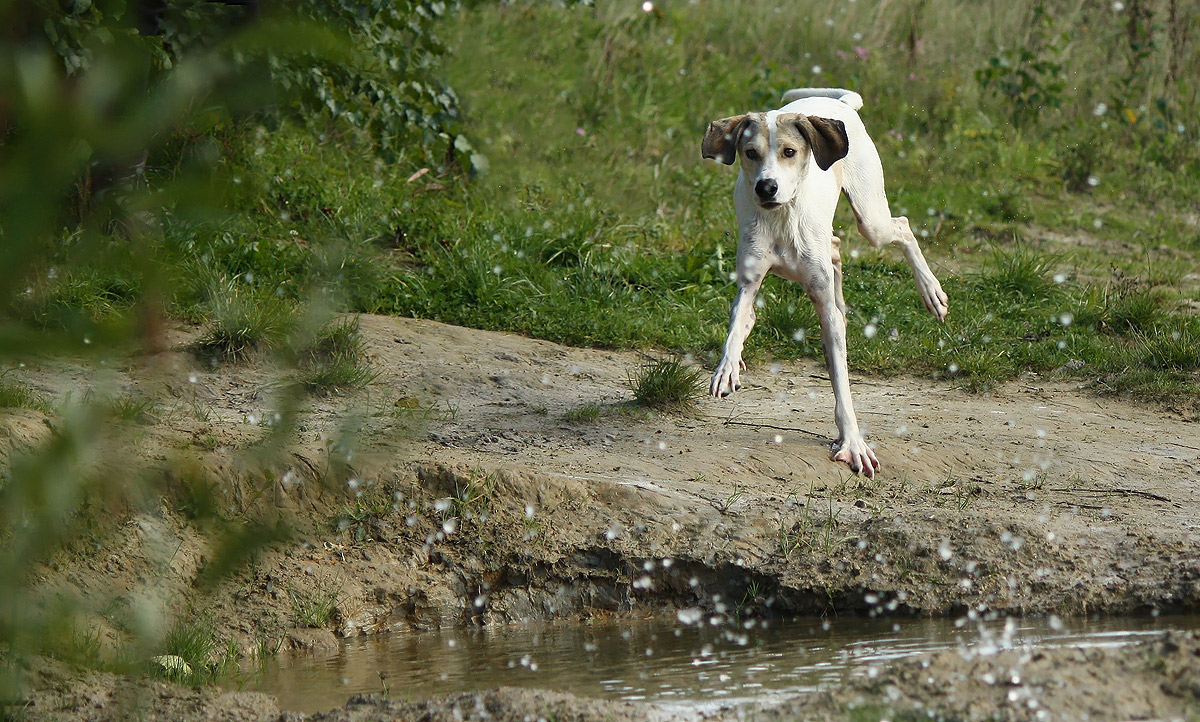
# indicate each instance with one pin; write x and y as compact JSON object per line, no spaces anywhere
{"x":488,"y":478}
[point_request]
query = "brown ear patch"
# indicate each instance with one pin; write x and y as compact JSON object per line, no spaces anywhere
{"x":720,"y":140}
{"x":826,"y":137}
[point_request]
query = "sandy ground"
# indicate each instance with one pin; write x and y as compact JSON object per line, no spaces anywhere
{"x":460,"y":488}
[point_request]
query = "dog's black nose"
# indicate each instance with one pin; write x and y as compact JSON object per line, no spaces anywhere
{"x":766,"y":188}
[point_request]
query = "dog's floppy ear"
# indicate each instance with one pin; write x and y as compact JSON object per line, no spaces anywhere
{"x":720,"y":141}
{"x":826,"y":137}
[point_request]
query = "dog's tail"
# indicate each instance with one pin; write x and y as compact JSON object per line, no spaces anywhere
{"x":849,"y":97}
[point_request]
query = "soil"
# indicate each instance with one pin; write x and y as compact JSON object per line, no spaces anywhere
{"x":486,"y":478}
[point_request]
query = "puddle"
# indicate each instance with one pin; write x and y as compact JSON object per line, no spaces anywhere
{"x":693,"y":667}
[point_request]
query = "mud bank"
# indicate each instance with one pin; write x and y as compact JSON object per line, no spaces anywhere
{"x":464,"y":487}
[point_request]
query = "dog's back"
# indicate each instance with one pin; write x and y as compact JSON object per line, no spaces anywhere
{"x":849,"y":97}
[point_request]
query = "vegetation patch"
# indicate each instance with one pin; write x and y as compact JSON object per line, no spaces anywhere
{"x":667,"y":385}
{"x":335,"y":359}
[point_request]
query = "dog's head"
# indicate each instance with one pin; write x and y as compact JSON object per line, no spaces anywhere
{"x":775,"y":150}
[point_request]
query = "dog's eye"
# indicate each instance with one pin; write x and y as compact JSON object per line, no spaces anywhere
{"x":789,"y":152}
{"x":751,"y":154}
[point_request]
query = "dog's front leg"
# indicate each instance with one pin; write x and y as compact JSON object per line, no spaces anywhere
{"x":851,"y":447}
{"x":727,"y":378}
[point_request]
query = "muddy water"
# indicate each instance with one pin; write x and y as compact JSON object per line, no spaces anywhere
{"x":692,"y":666}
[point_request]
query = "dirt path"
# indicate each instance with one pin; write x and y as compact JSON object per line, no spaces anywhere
{"x":464,"y":487}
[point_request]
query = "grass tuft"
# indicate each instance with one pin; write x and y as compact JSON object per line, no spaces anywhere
{"x":241,"y":323}
{"x":19,"y":396}
{"x":191,"y":654}
{"x":314,"y":608}
{"x":132,"y":409}
{"x":1021,"y":271}
{"x":335,"y":359}
{"x":667,"y":385}
{"x":586,"y":414}
{"x":1175,"y":349}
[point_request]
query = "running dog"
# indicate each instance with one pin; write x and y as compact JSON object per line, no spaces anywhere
{"x":794,"y":163}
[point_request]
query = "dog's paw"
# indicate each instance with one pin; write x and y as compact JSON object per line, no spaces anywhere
{"x":935,"y":299}
{"x":727,"y":378}
{"x":858,"y":456}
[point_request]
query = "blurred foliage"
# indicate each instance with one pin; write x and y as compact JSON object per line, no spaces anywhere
{"x":393,"y":91}
{"x":93,"y":252}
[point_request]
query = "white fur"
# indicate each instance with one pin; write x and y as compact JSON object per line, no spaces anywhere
{"x":795,"y":240}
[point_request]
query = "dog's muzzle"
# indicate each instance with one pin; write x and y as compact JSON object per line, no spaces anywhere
{"x":765,"y":189}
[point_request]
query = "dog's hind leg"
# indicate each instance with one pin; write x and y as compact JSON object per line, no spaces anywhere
{"x":864,"y":188}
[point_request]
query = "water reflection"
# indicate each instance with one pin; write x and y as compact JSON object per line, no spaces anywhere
{"x":662,"y":660}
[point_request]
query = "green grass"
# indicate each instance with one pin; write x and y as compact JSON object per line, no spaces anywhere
{"x":241,"y":322}
{"x":335,"y":359}
{"x":667,"y":385}
{"x":15,"y":395}
{"x":132,"y":409}
{"x":192,"y":655}
{"x":586,"y":414}
{"x":315,"y":607}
